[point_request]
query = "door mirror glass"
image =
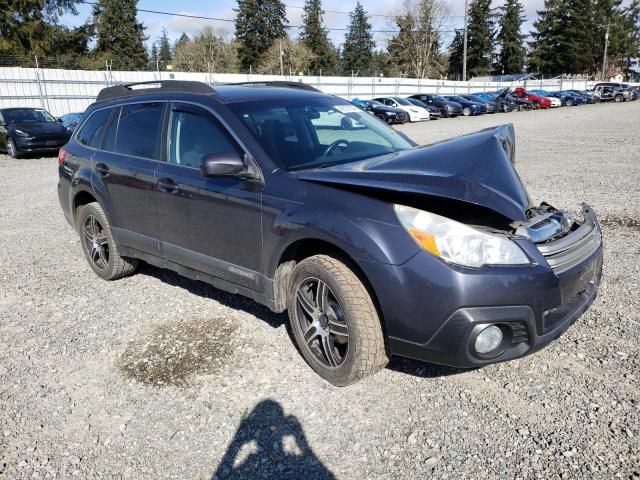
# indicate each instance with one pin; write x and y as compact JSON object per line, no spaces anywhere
{"x":227,"y":164}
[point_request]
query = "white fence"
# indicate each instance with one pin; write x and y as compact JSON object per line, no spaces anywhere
{"x":63,"y":91}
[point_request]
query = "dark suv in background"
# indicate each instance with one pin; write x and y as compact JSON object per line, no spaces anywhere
{"x":305,"y":203}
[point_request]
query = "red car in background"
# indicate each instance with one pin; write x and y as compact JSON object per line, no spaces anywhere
{"x":538,"y":101}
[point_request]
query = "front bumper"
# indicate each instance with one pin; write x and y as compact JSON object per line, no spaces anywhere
{"x":32,"y":145}
{"x":440,"y":308}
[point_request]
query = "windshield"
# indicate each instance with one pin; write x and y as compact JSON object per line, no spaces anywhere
{"x":26,"y":115}
{"x":457,"y":98}
{"x":376,"y":103}
{"x":402,"y":101}
{"x":317,"y":131}
{"x":439,"y":98}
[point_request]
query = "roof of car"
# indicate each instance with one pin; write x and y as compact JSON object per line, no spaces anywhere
{"x":230,"y":93}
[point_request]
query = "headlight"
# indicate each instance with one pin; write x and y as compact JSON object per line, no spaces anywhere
{"x":20,"y":133}
{"x":458,"y":243}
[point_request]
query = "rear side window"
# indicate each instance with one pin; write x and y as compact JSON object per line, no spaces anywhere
{"x":194,"y":133}
{"x":91,"y":131}
{"x":138,"y":129}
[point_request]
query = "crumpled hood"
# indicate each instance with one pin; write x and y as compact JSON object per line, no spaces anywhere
{"x":476,"y":168}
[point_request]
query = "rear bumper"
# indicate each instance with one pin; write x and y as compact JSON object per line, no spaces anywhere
{"x":438,"y":309}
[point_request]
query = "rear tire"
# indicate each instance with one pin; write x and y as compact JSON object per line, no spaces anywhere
{"x":334,"y":321}
{"x":98,"y":245}
{"x":11,"y":149}
{"x":536,"y":105}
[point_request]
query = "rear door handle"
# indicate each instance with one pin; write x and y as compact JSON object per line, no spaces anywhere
{"x":102,"y":169}
{"x":167,"y":185}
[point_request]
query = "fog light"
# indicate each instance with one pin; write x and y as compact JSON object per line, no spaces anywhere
{"x":488,"y":339}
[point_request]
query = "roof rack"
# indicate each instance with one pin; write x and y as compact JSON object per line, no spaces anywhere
{"x":278,"y":83}
{"x":127,"y":90}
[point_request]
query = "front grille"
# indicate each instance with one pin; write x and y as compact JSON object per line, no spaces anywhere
{"x":568,"y":251}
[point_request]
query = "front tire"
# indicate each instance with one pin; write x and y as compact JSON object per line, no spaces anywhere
{"x":98,"y":245}
{"x":569,"y":103}
{"x":12,"y":149}
{"x":466,"y":111}
{"x":618,"y":98}
{"x":334,"y":321}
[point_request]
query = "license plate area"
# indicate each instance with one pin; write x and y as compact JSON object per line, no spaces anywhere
{"x":51,"y":143}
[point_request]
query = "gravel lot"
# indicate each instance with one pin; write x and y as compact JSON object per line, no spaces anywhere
{"x":157,"y":376}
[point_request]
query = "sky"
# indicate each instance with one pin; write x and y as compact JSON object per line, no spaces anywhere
{"x":336,"y":16}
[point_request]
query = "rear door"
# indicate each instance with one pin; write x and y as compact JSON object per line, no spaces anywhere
{"x":124,"y":172}
{"x":208,"y":224}
{"x":3,"y":134}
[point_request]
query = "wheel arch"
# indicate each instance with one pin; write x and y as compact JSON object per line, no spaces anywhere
{"x":303,"y":248}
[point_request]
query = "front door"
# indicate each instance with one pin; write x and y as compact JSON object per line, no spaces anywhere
{"x":208,"y":224}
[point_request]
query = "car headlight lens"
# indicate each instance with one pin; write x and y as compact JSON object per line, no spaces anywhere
{"x":458,"y":243}
{"x":20,"y":133}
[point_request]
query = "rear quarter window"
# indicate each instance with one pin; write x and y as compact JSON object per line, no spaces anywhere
{"x":91,"y":131}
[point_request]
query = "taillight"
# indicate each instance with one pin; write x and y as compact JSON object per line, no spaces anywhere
{"x":62,"y":156}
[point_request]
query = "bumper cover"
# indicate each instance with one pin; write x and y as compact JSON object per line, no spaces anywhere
{"x":439,"y":309}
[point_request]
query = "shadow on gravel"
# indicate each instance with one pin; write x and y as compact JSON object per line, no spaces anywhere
{"x":620,"y":221}
{"x":202,"y":289}
{"x":422,"y":369}
{"x":269,"y":444}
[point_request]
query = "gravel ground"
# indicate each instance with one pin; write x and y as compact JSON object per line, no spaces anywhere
{"x":156,"y":376}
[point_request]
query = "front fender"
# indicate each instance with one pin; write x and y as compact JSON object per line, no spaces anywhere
{"x":361,"y":238}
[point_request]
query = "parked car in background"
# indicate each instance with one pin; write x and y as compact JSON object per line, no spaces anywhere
{"x":555,"y":102}
{"x":569,"y":99}
{"x":306,"y":204}
{"x":536,"y":100}
{"x":504,"y":105}
{"x":70,"y":120}
{"x":389,"y":115}
{"x":492,"y":107}
{"x":468,"y":107}
{"x":416,"y":114}
{"x":522,"y":103}
{"x":30,"y":130}
{"x":447,"y":107}
{"x":632,"y":89}
{"x":610,"y":91}
{"x":588,"y":99}
{"x":434,"y":113}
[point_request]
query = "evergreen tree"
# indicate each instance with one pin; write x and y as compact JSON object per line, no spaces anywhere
{"x":120,"y":36}
{"x":510,"y":38}
{"x":456,"y":52}
{"x":314,"y":36}
{"x":153,"y":57}
{"x":258,"y":24}
{"x":632,"y":25}
{"x":25,"y":26}
{"x":164,"y":50}
{"x":184,"y":39}
{"x":480,"y":38}
{"x":357,"y":51}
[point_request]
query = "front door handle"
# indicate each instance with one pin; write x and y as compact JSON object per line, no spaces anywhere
{"x":102,"y":169}
{"x":167,"y":185}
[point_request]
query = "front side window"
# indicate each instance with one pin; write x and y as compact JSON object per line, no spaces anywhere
{"x":138,"y":129}
{"x":90,"y":133}
{"x":194,"y":133}
{"x":317,"y":131}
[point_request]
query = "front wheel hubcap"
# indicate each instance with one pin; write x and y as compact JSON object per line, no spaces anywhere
{"x":96,"y":242}
{"x":322,"y":321}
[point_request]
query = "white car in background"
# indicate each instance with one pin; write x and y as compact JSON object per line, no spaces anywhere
{"x":555,"y":102}
{"x":415,"y":113}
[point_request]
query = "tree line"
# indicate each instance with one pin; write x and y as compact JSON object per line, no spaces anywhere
{"x":568,"y":38}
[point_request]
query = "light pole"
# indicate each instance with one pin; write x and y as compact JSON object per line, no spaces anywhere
{"x":604,"y":58}
{"x":464,"y":48}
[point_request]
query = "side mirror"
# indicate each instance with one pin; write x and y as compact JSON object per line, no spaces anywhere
{"x":222,"y":165}
{"x":59,"y":120}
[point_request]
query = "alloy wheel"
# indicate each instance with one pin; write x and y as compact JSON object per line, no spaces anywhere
{"x":11,"y":148}
{"x":96,"y":242}
{"x":322,"y":322}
